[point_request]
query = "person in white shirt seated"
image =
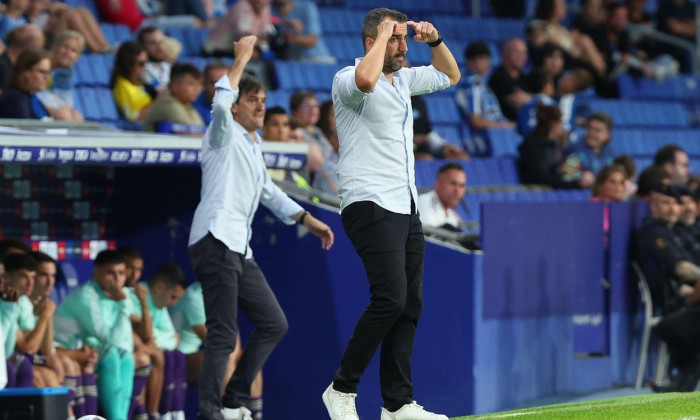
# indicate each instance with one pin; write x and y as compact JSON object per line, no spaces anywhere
{"x":437,"y":207}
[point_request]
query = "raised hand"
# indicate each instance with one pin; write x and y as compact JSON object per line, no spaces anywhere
{"x":425,"y":31}
{"x":244,"y":47}
{"x":141,"y":292}
{"x":386,"y":29}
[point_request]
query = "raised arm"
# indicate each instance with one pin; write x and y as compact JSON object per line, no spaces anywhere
{"x":443,"y":59}
{"x":225,"y":95}
{"x":370,"y":68}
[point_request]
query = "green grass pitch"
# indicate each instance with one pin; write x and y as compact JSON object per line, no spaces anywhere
{"x":676,"y":406}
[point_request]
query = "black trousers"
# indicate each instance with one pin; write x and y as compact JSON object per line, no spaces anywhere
{"x":229,"y":282}
{"x":392,"y":248}
{"x":681,"y":331}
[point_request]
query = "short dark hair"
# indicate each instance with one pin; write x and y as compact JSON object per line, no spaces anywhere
{"x":450,"y":167}
{"x":108,"y":257}
{"x":273,"y":110}
{"x":9,"y":243}
{"x":16,"y":262}
{"x":145,"y":31}
{"x":41,"y":257}
{"x":128,"y":251}
{"x":295,"y":123}
{"x":538,"y":79}
{"x":626,"y":162}
{"x":298,"y":98}
{"x":180,"y":70}
{"x":249,"y":84}
{"x":649,"y":179}
{"x":477,"y":49}
{"x":374,"y":17}
{"x":547,"y":50}
{"x":667,"y":154}
{"x":604,"y":118}
{"x":171,"y":274}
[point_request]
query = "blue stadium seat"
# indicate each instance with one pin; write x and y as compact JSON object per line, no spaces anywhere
{"x":442,"y":109}
{"x":199,"y":62}
{"x":278,"y":98}
{"x":83,"y":71}
{"x":449,"y":132}
{"x":108,"y":107}
{"x":503,"y":141}
{"x":89,"y":99}
{"x":115,"y":33}
{"x":342,"y":21}
{"x":684,"y":87}
{"x":425,"y":176}
{"x":626,"y":113}
{"x":509,"y":170}
{"x":192,"y":39}
{"x":344,"y":47}
{"x":290,"y":75}
{"x":101,"y":67}
{"x":484,"y":29}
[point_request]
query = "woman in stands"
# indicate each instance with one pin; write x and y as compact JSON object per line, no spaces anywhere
{"x":547,"y":28}
{"x":126,"y":82}
{"x":28,"y":76}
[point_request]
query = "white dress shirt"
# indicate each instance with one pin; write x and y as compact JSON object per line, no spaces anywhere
{"x":433,"y":214}
{"x":375,"y":131}
{"x":234,"y":179}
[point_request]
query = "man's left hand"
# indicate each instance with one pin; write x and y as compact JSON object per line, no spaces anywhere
{"x":321,"y":230}
{"x":425,"y":31}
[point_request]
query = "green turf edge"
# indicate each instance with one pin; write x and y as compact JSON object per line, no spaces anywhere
{"x":684,"y":406}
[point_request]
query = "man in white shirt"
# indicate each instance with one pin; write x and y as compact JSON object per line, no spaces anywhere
{"x":234,"y":182}
{"x":157,"y":72}
{"x":437,"y":208}
{"x":372,"y":104}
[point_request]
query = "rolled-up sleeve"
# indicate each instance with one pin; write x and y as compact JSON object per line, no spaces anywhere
{"x":425,"y":79}
{"x":221,"y":125}
{"x":345,"y":89}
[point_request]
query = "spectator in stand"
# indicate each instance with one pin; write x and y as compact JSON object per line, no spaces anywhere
{"x":551,"y":60}
{"x":98,"y":314}
{"x":57,"y":17}
{"x":508,"y":81}
{"x":437,"y":208}
{"x":13,"y":16}
{"x":28,"y":76}
{"x":542,"y":88}
{"x":674,"y":160}
{"x":26,"y":37}
{"x":304,"y":106}
{"x":638,"y":13}
{"x":571,"y":84}
{"x":278,"y":126}
{"x":299,"y":34}
{"x":627,"y":162}
{"x":474,"y":98}
{"x":649,"y":179}
{"x":594,"y":152}
{"x":212,"y":72}
{"x":175,"y":106}
{"x":133,"y":101}
{"x":542,"y":154}
{"x":157,"y":72}
{"x":591,"y":21}
{"x":688,"y":227}
{"x":326,"y":123}
{"x":547,"y":28}
{"x":65,"y":52}
{"x":677,"y":18}
{"x":245,"y":17}
{"x":609,"y":184}
{"x":137,"y":13}
{"x":667,"y":267}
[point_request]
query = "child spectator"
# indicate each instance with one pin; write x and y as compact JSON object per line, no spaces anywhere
{"x":594,"y":152}
{"x":474,"y":98}
{"x":609,"y":184}
{"x":175,"y":106}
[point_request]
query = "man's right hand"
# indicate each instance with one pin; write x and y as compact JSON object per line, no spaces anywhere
{"x":46,"y":308}
{"x":114,"y":292}
{"x":385,"y":29}
{"x":243,"y":48}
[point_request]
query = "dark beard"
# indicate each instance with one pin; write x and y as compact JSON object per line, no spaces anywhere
{"x":391,"y":66}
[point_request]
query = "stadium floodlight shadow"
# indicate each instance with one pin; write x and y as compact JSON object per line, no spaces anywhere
{"x":650,"y":322}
